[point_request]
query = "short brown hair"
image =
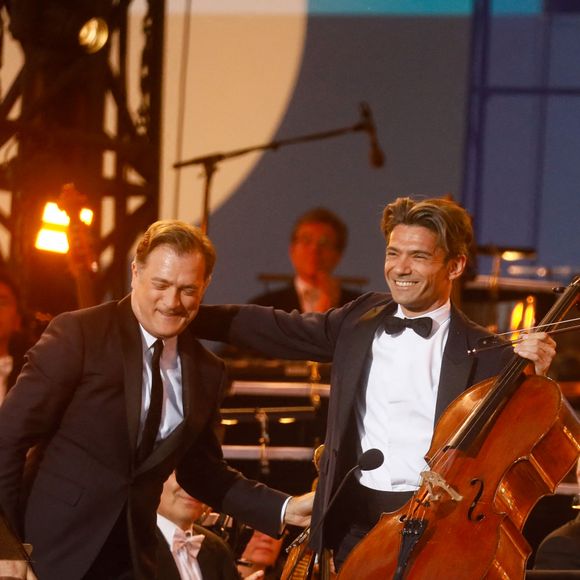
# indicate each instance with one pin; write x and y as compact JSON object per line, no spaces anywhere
{"x":182,"y":237}
{"x":447,"y":219}
{"x":324,"y":216}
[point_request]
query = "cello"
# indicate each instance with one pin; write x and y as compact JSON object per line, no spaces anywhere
{"x":496,"y":450}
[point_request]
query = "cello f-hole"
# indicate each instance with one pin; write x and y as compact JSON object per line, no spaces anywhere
{"x":470,"y":515}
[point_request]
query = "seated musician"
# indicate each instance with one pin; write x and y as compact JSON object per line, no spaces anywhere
{"x":262,"y":553}
{"x":186,"y":550}
{"x":398,"y":360}
{"x":317,"y":243}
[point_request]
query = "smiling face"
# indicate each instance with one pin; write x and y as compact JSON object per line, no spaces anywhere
{"x":417,"y":271}
{"x":167,"y":290}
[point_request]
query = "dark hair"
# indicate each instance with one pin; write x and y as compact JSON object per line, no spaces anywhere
{"x":447,"y":219}
{"x":181,"y":236}
{"x":324,"y":216}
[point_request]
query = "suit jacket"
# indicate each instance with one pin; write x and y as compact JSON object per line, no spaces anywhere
{"x":344,"y":337}
{"x":215,"y":559}
{"x":287,"y":298}
{"x":79,"y":395}
{"x":560,"y":550}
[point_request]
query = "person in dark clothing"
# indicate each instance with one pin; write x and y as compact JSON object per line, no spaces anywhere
{"x":317,"y":243}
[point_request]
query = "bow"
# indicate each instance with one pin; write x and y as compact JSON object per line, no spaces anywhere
{"x":192,"y":543}
{"x":422,"y":326}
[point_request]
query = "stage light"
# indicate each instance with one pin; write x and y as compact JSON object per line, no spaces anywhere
{"x":93,"y":35}
{"x":53,"y":235}
{"x":59,"y":26}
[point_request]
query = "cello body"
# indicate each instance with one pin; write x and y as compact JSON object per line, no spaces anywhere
{"x":466,"y":522}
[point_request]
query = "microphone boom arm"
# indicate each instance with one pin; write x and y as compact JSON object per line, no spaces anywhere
{"x":210,"y":162}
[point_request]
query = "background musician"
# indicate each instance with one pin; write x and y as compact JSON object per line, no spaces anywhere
{"x":186,"y":550}
{"x":317,"y":243}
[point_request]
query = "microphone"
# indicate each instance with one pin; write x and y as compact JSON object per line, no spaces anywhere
{"x":369,"y":460}
{"x":376,"y":155}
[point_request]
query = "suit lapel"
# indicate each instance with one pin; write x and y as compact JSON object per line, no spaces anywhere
{"x":457,"y":366}
{"x":132,"y":350}
{"x":186,"y":348}
{"x":207,"y":560}
{"x":357,"y":361}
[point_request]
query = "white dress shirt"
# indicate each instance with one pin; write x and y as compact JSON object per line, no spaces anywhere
{"x":308,"y":294}
{"x":170,"y":365}
{"x":396,"y":411}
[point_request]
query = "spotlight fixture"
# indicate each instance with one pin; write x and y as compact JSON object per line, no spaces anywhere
{"x":93,"y":35}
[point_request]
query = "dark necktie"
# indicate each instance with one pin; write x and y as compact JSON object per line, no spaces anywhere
{"x":153,"y":419}
{"x":422,"y":326}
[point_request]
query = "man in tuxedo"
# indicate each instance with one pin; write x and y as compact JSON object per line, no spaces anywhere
{"x":187,"y":551}
{"x":391,"y":377}
{"x":317,"y":243}
{"x":115,"y":398}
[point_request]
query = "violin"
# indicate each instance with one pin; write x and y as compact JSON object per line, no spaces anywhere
{"x":496,"y":450}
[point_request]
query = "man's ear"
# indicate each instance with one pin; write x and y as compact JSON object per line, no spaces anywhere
{"x":456,"y":266}
{"x":206,"y":283}
{"x":134,"y":271}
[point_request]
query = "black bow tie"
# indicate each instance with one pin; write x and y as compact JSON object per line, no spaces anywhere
{"x":422,"y":326}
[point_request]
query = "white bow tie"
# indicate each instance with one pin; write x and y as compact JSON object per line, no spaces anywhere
{"x":192,"y":543}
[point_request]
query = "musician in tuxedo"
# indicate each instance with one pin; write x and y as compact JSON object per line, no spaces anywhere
{"x":114,"y":398}
{"x":187,"y":551}
{"x":398,"y":360}
{"x":317,"y":243}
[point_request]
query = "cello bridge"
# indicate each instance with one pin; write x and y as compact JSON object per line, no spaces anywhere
{"x":434,"y":481}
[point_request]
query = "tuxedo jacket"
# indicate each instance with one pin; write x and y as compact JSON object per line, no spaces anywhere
{"x":79,"y":397}
{"x":215,"y":558}
{"x":286,"y":298}
{"x":344,"y":337}
{"x":560,"y":550}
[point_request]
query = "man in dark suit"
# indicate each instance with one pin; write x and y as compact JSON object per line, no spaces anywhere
{"x":389,"y":382}
{"x":185,"y":550}
{"x":116,"y":397}
{"x":317,"y":243}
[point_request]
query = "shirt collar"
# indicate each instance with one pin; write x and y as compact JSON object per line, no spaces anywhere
{"x":169,"y":344}
{"x":168,"y":528}
{"x":302,"y":285}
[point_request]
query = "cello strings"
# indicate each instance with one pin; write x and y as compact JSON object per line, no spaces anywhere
{"x":513,"y":369}
{"x":539,"y":327}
